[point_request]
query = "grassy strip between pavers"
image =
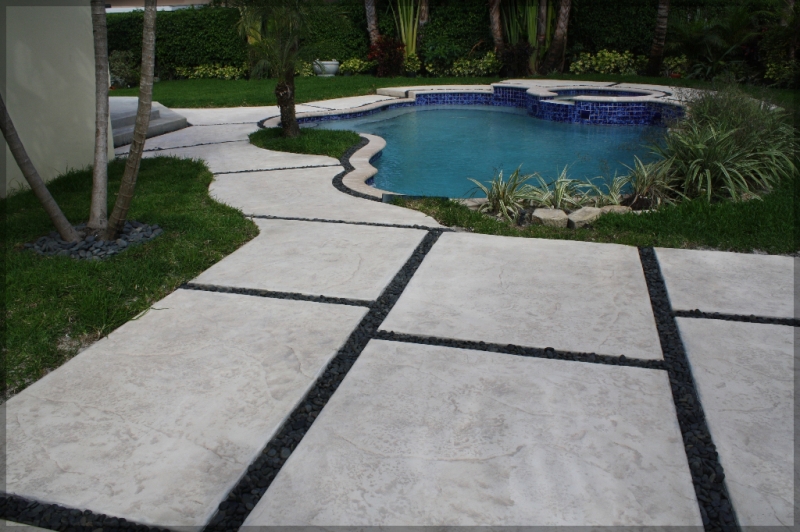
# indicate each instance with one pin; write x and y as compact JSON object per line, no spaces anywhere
{"x":55,"y":305}
{"x":311,"y":141}
{"x":765,"y":225}
{"x":236,"y":93}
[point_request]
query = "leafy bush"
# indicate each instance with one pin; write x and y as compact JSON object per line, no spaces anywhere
{"x":455,"y":30}
{"x":356,"y":66}
{"x":303,"y":69}
{"x":412,"y":64}
{"x":336,"y":32}
{"x":563,"y":193}
{"x":651,"y":184}
{"x":675,"y":65}
{"x":730,"y":146}
{"x":124,"y":69}
{"x":609,"y":62}
{"x":212,"y":72}
{"x":388,"y":53}
{"x":488,"y":65}
{"x":505,"y":198}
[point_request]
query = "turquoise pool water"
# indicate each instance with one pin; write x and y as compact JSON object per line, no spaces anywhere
{"x":432,"y":150}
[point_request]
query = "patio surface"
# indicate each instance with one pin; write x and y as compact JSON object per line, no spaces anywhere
{"x":357,"y":364}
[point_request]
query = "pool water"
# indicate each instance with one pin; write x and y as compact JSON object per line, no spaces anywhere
{"x":431,"y":151}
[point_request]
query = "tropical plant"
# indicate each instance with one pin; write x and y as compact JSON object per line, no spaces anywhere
{"x":611,"y":192}
{"x":389,"y":55}
{"x":124,"y":70}
{"x":119,"y":214}
{"x":412,"y":64}
{"x":528,"y":26}
{"x":651,"y":184}
{"x":608,"y":62}
{"x":504,"y":197}
{"x":215,"y":71}
{"x":355,"y":66}
{"x":554,"y":58}
{"x":303,"y":69}
{"x":562,"y":193}
{"x":488,"y":65}
{"x":98,"y":211}
{"x":674,"y":65}
{"x":406,"y":20}
{"x":659,"y":38}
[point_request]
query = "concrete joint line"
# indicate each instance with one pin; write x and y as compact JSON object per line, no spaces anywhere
{"x":708,"y":477}
{"x":278,"y":169}
{"x":792,"y":322}
{"x":518,"y":350}
{"x":191,"y":145}
{"x":345,"y":222}
{"x":276,"y":295}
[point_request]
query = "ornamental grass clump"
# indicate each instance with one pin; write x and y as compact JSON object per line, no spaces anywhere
{"x":504,"y":197}
{"x":729,"y":146}
{"x":564,"y":193}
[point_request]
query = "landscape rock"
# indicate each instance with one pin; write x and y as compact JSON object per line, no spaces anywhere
{"x":583,"y":217}
{"x":549,"y":217}
{"x":616,"y":209}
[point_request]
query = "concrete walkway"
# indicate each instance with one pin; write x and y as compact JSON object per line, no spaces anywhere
{"x":357,"y":364}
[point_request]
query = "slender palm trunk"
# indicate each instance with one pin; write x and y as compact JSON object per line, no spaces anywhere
{"x":372,"y":21}
{"x":284,"y":92}
{"x":659,"y":37}
{"x":120,"y":213}
{"x":98,"y":212}
{"x":33,"y":178}
{"x":496,"y":25}
{"x":541,"y":35}
{"x":554,"y":60}
{"x":424,"y":18}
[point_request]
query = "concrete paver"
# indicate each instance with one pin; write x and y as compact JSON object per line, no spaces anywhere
{"x":334,"y":260}
{"x":352,"y":102}
{"x":425,"y":436}
{"x":729,"y":283}
{"x":745,"y":379}
{"x":196,"y":135}
{"x":235,"y":115}
{"x":244,"y":157}
{"x":572,"y":296}
{"x":157,"y":422}
{"x":307,"y":193}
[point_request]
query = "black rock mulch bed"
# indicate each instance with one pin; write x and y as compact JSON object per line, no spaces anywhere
{"x":708,"y":476}
{"x":93,"y":248}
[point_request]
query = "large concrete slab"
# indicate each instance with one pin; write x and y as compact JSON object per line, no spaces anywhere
{"x":234,"y":115}
{"x":745,"y":378}
{"x":329,"y":259}
{"x":307,"y":193}
{"x":348,"y":103}
{"x":430,"y":436}
{"x":572,"y":296}
{"x":158,"y":421}
{"x":244,"y":157}
{"x":730,"y":283}
{"x":192,"y":136}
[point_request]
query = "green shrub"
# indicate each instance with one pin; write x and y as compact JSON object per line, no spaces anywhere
{"x":303,"y":69}
{"x":336,"y":32}
{"x":212,"y":72}
{"x":412,"y":64}
{"x":675,"y":65}
{"x":389,"y":55}
{"x":730,"y":146}
{"x":356,"y":66}
{"x":609,"y":62}
{"x":124,"y":69}
{"x":505,"y":198}
{"x":488,"y":65}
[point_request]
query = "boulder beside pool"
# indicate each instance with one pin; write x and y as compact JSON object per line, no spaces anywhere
{"x":583,"y":217}
{"x":549,"y":217}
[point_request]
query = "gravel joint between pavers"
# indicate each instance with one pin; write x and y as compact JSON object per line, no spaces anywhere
{"x":697,"y":313}
{"x":708,"y":477}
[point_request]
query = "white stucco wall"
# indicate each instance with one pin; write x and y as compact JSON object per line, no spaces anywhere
{"x":49,"y":88}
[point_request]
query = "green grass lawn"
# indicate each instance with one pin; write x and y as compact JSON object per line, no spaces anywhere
{"x":311,"y":141}
{"x":54,"y":305}
{"x":236,"y":93}
{"x":767,"y":225}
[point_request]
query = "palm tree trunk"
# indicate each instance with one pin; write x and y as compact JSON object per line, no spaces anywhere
{"x":496,"y":25}
{"x":660,"y":35}
{"x":35,"y":181}
{"x":554,"y":60}
{"x":284,"y":92}
{"x":424,"y":18}
{"x":98,"y":212}
{"x":372,"y":21}
{"x":120,"y":213}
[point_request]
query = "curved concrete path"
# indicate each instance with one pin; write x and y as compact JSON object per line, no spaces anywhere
{"x":504,"y":419}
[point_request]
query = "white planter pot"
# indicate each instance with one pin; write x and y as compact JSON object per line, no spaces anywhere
{"x":326,"y":68}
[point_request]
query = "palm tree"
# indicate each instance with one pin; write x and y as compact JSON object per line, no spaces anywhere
{"x":98,"y":211}
{"x":372,"y":21}
{"x":33,"y":178}
{"x":554,"y":60}
{"x":659,"y":37}
{"x":120,"y":213}
{"x":496,"y":24}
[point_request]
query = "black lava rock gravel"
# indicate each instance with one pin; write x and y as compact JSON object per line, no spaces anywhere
{"x":93,"y":248}
{"x":792,"y":322}
{"x":708,"y":476}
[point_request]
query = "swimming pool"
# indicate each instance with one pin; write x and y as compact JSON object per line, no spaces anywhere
{"x":431,"y":150}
